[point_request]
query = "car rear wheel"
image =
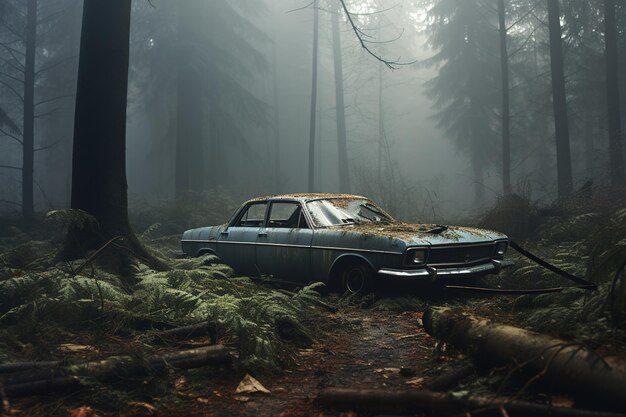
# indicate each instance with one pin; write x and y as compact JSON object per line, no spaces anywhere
{"x":358,"y":278}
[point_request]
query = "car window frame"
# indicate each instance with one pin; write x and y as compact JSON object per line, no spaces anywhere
{"x":302,"y":213}
{"x":245,"y":208}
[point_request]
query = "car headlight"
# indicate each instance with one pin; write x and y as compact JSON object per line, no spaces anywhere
{"x":501,"y":248}
{"x":416,"y":257}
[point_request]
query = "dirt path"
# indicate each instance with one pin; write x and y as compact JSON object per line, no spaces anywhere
{"x":368,"y":350}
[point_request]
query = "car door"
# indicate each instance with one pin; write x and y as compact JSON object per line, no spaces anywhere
{"x":284,"y":246}
{"x":236,"y":245}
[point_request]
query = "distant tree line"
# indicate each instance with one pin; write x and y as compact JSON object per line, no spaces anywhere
{"x":557,"y":74}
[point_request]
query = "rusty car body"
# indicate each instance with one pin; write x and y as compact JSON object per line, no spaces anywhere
{"x":346,"y":241}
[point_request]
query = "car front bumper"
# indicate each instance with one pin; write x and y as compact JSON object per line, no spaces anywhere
{"x":431,"y":273}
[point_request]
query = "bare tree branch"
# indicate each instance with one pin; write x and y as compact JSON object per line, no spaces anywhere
{"x":21,"y":12}
{"x":11,"y":77}
{"x":12,"y":203}
{"x":301,"y":8}
{"x":53,"y":99}
{"x":13,"y":90}
{"x":56,"y":64}
{"x":9,"y":135}
{"x":53,"y":16}
{"x":12,"y":65}
{"x":14,"y":31}
{"x":12,"y":52}
{"x":525,"y":15}
{"x":53,"y":144}
{"x":11,"y":167}
{"x":359,"y":35}
{"x":48,"y":113}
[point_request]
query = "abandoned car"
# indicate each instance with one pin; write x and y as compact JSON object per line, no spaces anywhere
{"x":346,"y":241}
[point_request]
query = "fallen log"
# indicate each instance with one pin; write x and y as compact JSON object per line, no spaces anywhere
{"x":440,"y":404}
{"x":6,"y":368}
{"x":192,"y":330}
{"x":563,"y":366}
{"x":110,"y":369}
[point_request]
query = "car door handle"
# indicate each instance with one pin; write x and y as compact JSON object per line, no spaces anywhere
{"x":262,"y":234}
{"x":224,"y":233}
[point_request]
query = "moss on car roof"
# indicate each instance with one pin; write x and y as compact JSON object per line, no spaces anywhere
{"x":306,"y":196}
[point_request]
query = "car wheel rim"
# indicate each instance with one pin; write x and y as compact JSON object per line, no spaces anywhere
{"x":355,"y":280}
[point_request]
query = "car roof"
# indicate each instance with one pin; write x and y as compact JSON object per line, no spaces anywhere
{"x":304,"y":197}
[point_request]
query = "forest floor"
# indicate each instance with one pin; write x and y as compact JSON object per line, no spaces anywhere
{"x":293,"y":342}
{"x":357,"y":348}
{"x":368,"y":352}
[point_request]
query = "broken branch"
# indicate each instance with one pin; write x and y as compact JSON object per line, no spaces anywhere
{"x":113,"y":368}
{"x":440,"y":404}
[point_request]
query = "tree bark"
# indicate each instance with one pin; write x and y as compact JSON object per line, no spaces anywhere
{"x":342,"y":146}
{"x":441,"y":404}
{"x":567,"y":366}
{"x":28,"y":138}
{"x":506,"y":107}
{"x":313,"y":99}
{"x":559,"y":102}
{"x":99,"y":184}
{"x":613,"y":97}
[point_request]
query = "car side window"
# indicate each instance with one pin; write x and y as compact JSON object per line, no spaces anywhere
{"x":253,"y":216}
{"x":287,"y":215}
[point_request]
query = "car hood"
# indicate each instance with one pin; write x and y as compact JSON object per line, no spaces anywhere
{"x":419,"y":234}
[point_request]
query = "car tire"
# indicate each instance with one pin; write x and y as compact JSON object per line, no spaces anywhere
{"x":357,"y":278}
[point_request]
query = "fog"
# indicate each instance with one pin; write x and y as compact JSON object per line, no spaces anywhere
{"x":220,"y":100}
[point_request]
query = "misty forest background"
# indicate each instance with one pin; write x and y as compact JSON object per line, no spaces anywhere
{"x":470,"y":100}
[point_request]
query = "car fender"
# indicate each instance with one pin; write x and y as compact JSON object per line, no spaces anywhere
{"x":333,"y":272}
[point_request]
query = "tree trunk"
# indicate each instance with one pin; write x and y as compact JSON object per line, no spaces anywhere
{"x":277,"y":178}
{"x":381,"y":123}
{"x":182,"y":147}
{"x":612,"y":94}
{"x":313,"y":99}
{"x":190,"y":107}
{"x":569,"y":366}
{"x":99,"y":184}
{"x":217,"y":167}
{"x":28,"y":138}
{"x":559,"y":102}
{"x":190,"y":132}
{"x":342,"y":146}
{"x":476,"y":136}
{"x":506,"y":118}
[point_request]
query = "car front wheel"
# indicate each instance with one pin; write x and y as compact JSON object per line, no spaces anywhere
{"x":358,"y":278}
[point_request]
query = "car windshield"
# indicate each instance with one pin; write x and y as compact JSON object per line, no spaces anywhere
{"x":345,"y":211}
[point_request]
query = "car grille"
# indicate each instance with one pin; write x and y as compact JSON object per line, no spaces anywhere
{"x":460,"y":255}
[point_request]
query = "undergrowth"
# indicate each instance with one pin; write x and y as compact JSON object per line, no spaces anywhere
{"x":590,"y":245}
{"x":265,"y":325}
